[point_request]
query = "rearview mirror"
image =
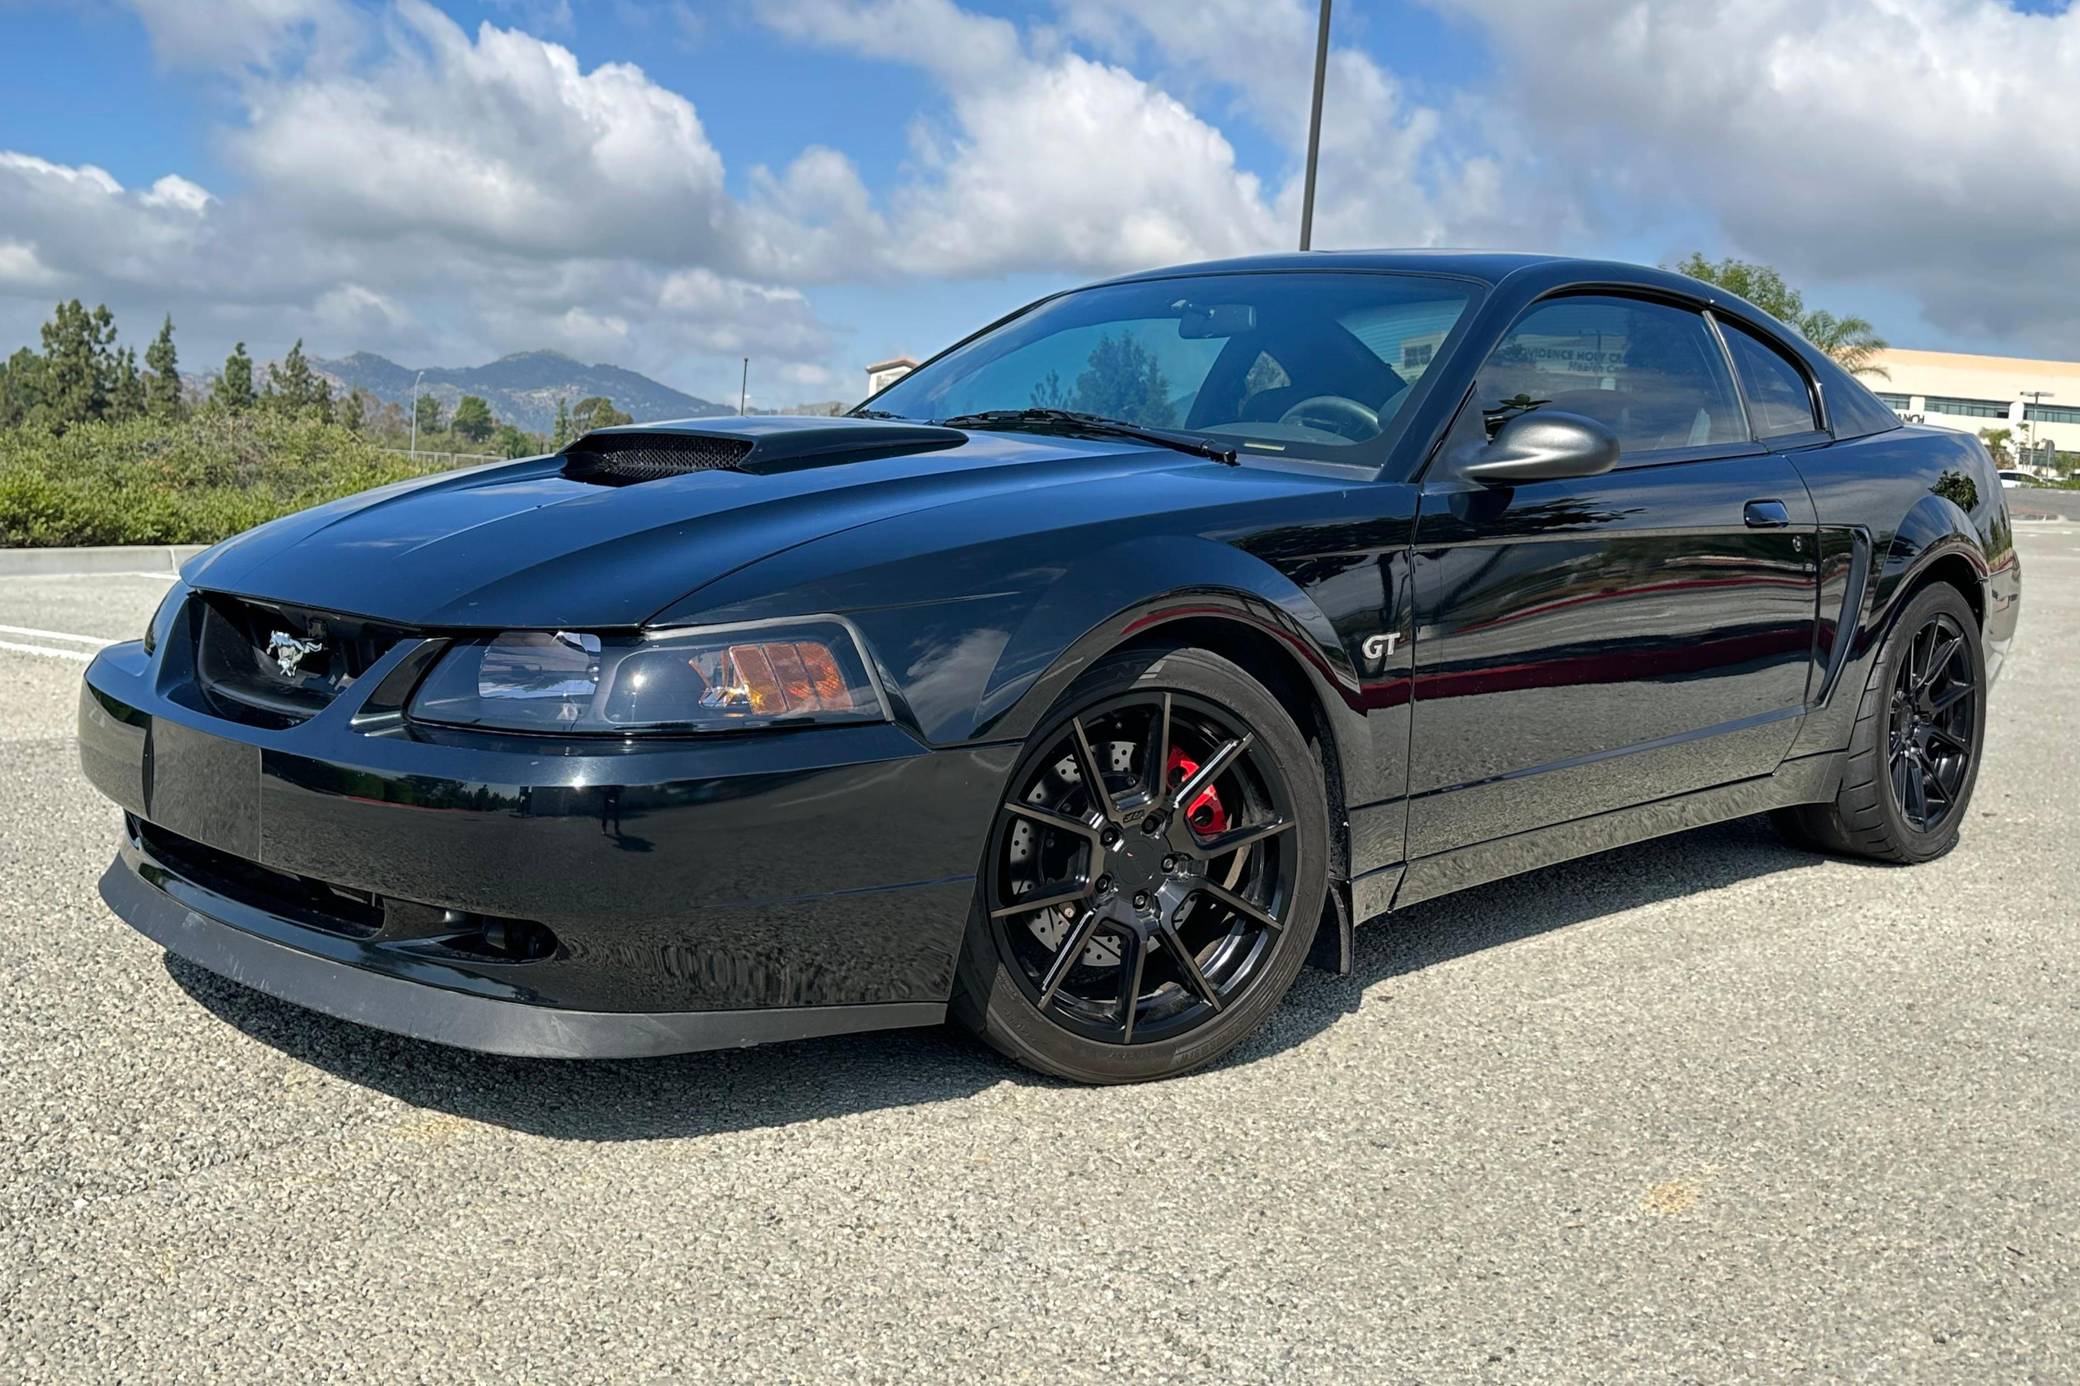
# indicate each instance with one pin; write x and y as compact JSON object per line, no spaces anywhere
{"x":1544,"y":446}
{"x":1202,"y":320}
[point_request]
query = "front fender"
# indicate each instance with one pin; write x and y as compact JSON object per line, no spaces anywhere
{"x":1119,"y":594}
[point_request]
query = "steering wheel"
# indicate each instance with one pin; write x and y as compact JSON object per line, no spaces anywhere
{"x":1334,"y":414}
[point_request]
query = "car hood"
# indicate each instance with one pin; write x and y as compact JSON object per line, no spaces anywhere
{"x":529,"y":543}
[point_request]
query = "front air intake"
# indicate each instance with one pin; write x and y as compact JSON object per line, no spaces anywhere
{"x":761,"y":446}
{"x":621,"y":459}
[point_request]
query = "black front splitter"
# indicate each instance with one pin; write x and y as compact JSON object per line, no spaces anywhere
{"x":455,"y":1018}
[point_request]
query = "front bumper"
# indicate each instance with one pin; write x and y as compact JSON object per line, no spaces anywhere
{"x":674,"y":895}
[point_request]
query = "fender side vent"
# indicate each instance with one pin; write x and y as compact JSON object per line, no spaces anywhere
{"x":623,"y":459}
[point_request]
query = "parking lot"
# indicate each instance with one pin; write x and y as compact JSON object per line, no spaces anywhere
{"x":1709,"y":1108}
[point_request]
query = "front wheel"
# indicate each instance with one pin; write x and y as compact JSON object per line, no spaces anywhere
{"x":1154,"y":875}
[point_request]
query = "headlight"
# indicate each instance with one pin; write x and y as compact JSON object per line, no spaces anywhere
{"x":718,"y":679}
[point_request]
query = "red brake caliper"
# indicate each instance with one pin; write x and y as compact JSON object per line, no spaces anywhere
{"x":1205,"y":813}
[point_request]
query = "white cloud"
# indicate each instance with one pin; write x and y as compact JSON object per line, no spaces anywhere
{"x":1925,"y":145}
{"x":399,"y":183}
{"x":501,"y":140}
{"x":20,"y":269}
{"x":255,"y":33}
{"x":1051,"y":161}
{"x":177,"y":192}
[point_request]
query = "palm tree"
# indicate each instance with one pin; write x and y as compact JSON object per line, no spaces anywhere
{"x":1851,"y":341}
{"x":1996,"y":440}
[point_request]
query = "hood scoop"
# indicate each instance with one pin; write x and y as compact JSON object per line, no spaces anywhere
{"x":760,"y":446}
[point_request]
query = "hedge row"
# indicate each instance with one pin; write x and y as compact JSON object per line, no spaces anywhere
{"x":192,"y":482}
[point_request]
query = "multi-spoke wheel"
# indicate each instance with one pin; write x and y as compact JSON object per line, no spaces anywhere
{"x":1154,"y":876}
{"x":1933,"y":737}
{"x":1914,"y":755}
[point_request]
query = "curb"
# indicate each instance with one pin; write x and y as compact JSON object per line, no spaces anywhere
{"x":145,"y":559}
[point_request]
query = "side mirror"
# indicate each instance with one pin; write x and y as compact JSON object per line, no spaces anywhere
{"x":1544,"y":446}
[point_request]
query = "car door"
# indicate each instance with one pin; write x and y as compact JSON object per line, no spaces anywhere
{"x":1591,"y":644}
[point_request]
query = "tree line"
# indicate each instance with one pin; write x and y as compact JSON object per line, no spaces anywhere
{"x":84,"y":375}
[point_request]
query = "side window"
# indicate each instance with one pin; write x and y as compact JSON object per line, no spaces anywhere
{"x":1652,"y":374}
{"x":1777,"y":394}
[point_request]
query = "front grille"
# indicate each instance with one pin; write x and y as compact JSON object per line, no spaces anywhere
{"x":270,"y":664}
{"x":429,"y":930}
{"x":622,"y":459}
{"x":314,"y":904}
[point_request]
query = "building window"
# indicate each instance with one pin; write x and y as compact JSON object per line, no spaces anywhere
{"x":1898,"y":403}
{"x":1969,"y":408}
{"x":2052,"y":413}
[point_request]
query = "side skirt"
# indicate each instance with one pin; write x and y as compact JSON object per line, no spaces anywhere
{"x":1807,"y":780}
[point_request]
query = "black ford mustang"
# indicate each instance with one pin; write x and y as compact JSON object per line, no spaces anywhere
{"x":1082,"y":685}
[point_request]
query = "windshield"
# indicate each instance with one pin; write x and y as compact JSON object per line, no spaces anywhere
{"x":1302,"y":363}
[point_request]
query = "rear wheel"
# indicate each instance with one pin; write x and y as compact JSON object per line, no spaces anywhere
{"x":1914,"y":756}
{"x":1154,"y":876}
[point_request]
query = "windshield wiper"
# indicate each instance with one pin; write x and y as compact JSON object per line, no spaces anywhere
{"x":1070,"y":421}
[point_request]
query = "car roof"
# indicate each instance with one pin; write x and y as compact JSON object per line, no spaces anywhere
{"x":1488,"y":266}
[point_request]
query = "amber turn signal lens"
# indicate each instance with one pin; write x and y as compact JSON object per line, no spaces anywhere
{"x":790,"y":676}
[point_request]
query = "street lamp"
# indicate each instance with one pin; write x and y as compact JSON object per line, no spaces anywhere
{"x":415,"y":412}
{"x":2029,"y":399}
{"x":1314,"y":128}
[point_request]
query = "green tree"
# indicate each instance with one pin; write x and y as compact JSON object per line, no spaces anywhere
{"x":352,"y":412}
{"x":233,"y":389}
{"x":79,"y":373}
{"x":295,"y":389}
{"x":565,"y":430}
{"x":21,"y":388}
{"x":597,"y":411}
{"x":427,"y":411}
{"x":1852,"y":341}
{"x":1123,"y":380}
{"x":514,"y":442}
{"x":473,"y":419}
{"x":162,"y":386}
{"x":2000,"y":444}
{"x":127,"y":399}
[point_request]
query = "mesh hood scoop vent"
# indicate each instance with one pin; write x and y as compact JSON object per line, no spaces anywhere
{"x":627,"y":456}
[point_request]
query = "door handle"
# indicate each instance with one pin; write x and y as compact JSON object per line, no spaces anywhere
{"x":1767,"y":514}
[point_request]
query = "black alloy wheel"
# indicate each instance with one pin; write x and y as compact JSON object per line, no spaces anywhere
{"x":1154,"y":875}
{"x":1913,"y":754}
{"x":1930,"y":746}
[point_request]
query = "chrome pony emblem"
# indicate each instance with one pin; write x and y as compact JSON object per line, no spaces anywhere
{"x":287,"y":651}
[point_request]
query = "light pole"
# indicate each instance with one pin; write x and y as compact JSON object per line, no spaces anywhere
{"x":2029,"y":398}
{"x":415,"y":412}
{"x":744,"y":388}
{"x":1314,"y":128}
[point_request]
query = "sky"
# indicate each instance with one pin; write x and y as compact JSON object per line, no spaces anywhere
{"x":818,"y":184}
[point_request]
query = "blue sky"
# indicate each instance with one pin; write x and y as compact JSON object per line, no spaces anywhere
{"x":817,"y":183}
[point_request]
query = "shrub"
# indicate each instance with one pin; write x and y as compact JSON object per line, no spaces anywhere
{"x":196,"y":481}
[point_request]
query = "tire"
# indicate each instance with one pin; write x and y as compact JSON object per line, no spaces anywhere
{"x":1874,"y":814}
{"x":1193,"y":916}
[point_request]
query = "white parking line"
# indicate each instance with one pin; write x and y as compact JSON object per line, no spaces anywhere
{"x":96,"y":641}
{"x":81,"y":655}
{"x":89,"y":577}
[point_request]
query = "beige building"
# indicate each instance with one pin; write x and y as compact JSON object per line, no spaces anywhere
{"x":2037,"y":401}
{"x":883,"y":374}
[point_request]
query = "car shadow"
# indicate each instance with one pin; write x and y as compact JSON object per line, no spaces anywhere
{"x":703,"y":1094}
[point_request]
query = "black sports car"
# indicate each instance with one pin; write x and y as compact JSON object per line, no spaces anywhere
{"x":1081,"y":685}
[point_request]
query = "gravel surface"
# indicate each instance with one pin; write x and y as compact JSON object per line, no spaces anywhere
{"x":1703,"y":1109}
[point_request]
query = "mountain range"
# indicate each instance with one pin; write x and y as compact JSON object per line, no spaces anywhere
{"x":521,"y":389}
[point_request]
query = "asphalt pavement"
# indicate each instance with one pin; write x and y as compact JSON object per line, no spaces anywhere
{"x":1704,"y":1109}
